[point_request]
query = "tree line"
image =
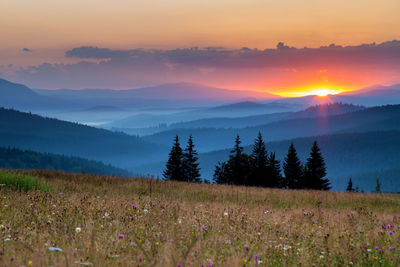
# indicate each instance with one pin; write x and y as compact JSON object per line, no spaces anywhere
{"x":259,"y":168}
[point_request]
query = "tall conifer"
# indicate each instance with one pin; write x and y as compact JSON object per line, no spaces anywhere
{"x":259,"y":175}
{"x":316,"y":170}
{"x":190,"y":165}
{"x":174,"y":168}
{"x":293,"y":170}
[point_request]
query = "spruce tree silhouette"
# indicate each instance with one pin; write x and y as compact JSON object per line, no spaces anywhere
{"x":316,"y":170}
{"x":190,"y":163}
{"x":238,"y":164}
{"x":259,"y":175}
{"x":350,"y":186}
{"x":274,"y":170}
{"x":220,"y":173}
{"x":293,"y":170}
{"x":174,"y":169}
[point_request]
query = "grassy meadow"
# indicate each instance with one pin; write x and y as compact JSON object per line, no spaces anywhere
{"x":86,"y":220}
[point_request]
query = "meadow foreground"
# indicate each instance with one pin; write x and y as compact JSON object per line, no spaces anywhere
{"x":103,"y":221}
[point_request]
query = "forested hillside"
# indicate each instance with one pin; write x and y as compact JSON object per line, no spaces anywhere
{"x":12,"y":158}
{"x":28,"y":131}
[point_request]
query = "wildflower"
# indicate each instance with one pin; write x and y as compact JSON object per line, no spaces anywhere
{"x":179,"y":265}
{"x":226,"y":214}
{"x":134,"y":207}
{"x":121,"y":235}
{"x":246,"y":247}
{"x":78,"y":229}
{"x":30,"y":263}
{"x":171,"y":240}
{"x":55,"y":249}
{"x":133,"y":243}
{"x":319,"y":202}
{"x":391,"y":248}
{"x":369,"y":250}
{"x":390,"y":232}
{"x":83,"y":263}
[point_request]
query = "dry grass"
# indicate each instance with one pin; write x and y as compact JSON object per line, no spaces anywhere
{"x":142,"y":222}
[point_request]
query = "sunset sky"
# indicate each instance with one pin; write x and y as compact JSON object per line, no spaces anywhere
{"x":124,"y":44}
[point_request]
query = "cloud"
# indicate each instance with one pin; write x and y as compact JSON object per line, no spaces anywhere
{"x":26,"y":49}
{"x":284,"y":66}
{"x":87,"y":52}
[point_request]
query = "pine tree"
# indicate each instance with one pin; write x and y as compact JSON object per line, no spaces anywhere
{"x":259,"y":175}
{"x":316,"y":170}
{"x":238,"y":164}
{"x":190,"y":165}
{"x":293,"y":170}
{"x":174,"y":170}
{"x":350,"y":186}
{"x":220,"y":174}
{"x":274,"y":170}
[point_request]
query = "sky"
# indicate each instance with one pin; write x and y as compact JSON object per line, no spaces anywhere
{"x":48,"y":44}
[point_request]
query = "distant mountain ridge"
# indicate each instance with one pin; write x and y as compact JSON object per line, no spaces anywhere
{"x":238,"y":109}
{"x":241,"y":122}
{"x":284,"y":128}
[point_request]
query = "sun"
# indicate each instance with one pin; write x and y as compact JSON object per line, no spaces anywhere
{"x":322,"y":92}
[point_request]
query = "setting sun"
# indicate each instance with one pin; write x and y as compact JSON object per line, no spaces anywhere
{"x":322,"y":92}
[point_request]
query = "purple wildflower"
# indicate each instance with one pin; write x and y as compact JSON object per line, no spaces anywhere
{"x":246,"y":247}
{"x":134,"y":207}
{"x":121,"y":236}
{"x":390,"y":232}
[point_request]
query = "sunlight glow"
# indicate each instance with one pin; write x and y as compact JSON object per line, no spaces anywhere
{"x":322,"y":92}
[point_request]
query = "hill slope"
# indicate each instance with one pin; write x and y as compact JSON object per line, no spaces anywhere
{"x":12,"y":158}
{"x":208,"y":139}
{"x":28,"y":131}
